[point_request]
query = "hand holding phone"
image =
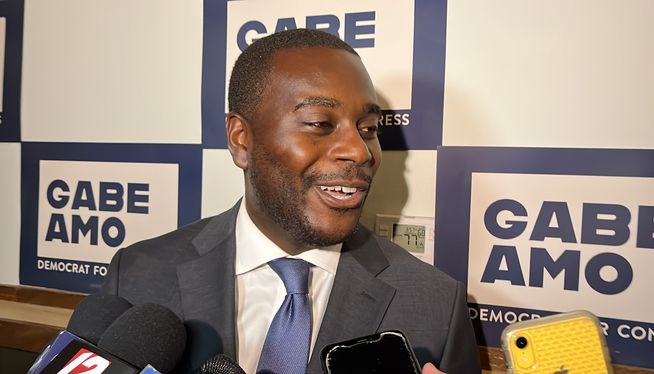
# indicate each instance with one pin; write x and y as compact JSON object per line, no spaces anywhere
{"x":562,"y":343}
{"x":388,"y":352}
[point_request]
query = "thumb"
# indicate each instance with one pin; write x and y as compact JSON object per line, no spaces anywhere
{"x":429,"y":368}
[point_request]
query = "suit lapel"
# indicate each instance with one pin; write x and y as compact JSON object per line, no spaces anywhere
{"x":356,"y":307}
{"x":358,"y":300}
{"x":208,"y":292}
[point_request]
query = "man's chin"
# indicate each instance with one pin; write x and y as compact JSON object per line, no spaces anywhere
{"x":321,"y":238}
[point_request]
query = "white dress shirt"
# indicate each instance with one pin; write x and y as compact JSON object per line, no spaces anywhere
{"x":260,"y":291}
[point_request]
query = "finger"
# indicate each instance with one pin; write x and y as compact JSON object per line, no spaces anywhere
{"x":429,"y":368}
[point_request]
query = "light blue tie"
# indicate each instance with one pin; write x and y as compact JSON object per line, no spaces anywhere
{"x":286,"y":349}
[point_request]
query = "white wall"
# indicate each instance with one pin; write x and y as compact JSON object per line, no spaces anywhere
{"x":550,"y":74}
{"x":9,"y":213}
{"x":112,"y":71}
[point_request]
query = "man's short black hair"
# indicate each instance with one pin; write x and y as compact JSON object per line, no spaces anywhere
{"x":252,"y":68}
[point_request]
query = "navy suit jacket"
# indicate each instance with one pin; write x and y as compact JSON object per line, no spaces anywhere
{"x":378,"y":286}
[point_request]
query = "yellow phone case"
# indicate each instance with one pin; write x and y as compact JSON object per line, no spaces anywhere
{"x":565,"y":343}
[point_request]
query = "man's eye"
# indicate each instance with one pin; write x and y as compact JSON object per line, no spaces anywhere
{"x":372,"y":130}
{"x":318,"y":124}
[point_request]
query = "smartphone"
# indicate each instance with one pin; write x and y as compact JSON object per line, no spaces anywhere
{"x":383,"y":353}
{"x":563,"y":343}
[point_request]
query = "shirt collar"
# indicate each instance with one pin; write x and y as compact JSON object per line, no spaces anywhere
{"x":254,"y":249}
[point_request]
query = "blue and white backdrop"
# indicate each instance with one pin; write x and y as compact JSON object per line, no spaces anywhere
{"x":525,"y":129}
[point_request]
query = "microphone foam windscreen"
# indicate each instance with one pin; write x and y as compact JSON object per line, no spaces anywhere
{"x":146,"y":334}
{"x":94,"y":314}
{"x":221,"y":364}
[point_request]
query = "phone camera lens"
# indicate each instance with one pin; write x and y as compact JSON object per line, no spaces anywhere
{"x":521,"y":342}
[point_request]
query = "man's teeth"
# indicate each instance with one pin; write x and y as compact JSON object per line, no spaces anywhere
{"x":343,"y":189}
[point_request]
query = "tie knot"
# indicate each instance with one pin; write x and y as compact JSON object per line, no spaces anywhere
{"x":294,"y":274}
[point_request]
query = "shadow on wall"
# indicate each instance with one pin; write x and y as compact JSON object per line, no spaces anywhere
{"x":389,"y":192}
{"x":476,"y":325}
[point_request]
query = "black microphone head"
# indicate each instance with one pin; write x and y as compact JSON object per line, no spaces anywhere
{"x":146,"y":334}
{"x":94,"y":314}
{"x":221,"y":364}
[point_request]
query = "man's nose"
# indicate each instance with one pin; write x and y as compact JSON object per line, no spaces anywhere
{"x":350,"y":146}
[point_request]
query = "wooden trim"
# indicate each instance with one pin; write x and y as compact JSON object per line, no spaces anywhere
{"x":493,"y":359}
{"x":33,"y":337}
{"x":41,"y":296}
{"x":26,"y":336}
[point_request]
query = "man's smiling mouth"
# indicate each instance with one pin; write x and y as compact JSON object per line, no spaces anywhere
{"x":344,"y":189}
{"x":341,"y":192}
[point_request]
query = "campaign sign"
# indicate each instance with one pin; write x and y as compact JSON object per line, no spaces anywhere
{"x":86,"y":204}
{"x":538,"y":231}
{"x":11,"y":45}
{"x":405,"y":63}
{"x":86,"y":208}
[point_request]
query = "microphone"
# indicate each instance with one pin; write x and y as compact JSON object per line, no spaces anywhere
{"x":146,"y":334}
{"x":220,"y":364}
{"x":94,"y":314}
{"x":80,"y":356}
{"x":88,"y":322}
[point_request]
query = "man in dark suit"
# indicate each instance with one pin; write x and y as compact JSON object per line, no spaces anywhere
{"x":303,"y":127}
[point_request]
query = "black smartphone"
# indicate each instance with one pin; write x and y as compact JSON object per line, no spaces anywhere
{"x":383,"y":353}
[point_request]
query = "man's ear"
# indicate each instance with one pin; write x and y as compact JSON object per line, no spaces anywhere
{"x":238,"y":136}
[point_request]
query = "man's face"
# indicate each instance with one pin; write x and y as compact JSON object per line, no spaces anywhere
{"x":312,"y":148}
